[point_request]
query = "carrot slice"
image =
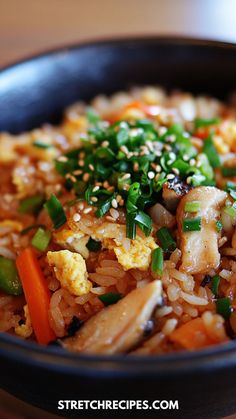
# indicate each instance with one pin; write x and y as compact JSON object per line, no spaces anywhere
{"x":192,"y":335}
{"x":36,"y":293}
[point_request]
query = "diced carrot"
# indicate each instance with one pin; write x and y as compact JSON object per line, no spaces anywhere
{"x":146,"y":109}
{"x":192,"y":335}
{"x":37,"y":294}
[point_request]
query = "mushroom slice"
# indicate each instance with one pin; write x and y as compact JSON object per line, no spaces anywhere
{"x":119,"y":327}
{"x":200,"y":248}
{"x":172,"y":192}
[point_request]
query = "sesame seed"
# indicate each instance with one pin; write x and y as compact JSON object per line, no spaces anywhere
{"x":76,"y":217}
{"x":96,"y":188}
{"x":126,"y":176}
{"x":91,"y":167}
{"x":171,"y":138}
{"x":114,"y":203}
{"x":189,"y":180}
{"x":121,"y":203}
{"x":157,"y":153}
{"x":105,"y":144}
{"x":170,"y":176}
{"x":198,"y":164}
{"x":93,"y":142}
{"x":77,"y":172}
{"x":111,"y":188}
{"x":136,"y":167}
{"x":158,"y":168}
{"x":87,"y":210}
{"x":124,"y":149}
{"x":185,"y":157}
{"x":149,"y":145}
{"x":118,"y":198}
{"x":62,"y":159}
{"x":151,"y":175}
{"x":94,"y":199}
{"x":175,"y":170}
{"x":86,"y":177}
{"x":81,"y":163}
{"x":172,"y":155}
{"x":162,"y":130}
{"x":167,"y":147}
{"x":106,"y":184}
{"x":82,"y":155}
{"x":192,"y":162}
{"x":114,"y":213}
{"x":73,"y":179}
{"x":109,"y":218}
{"x":81,"y":206}
{"x":157,"y":176}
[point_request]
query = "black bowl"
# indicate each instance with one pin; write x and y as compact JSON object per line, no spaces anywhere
{"x":36,"y":91}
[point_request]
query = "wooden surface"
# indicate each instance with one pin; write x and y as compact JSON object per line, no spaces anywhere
{"x":31,"y":26}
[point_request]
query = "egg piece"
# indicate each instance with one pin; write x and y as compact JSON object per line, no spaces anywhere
{"x":25,"y":330}
{"x":136,"y":256}
{"x":68,"y":239}
{"x":70,"y":270}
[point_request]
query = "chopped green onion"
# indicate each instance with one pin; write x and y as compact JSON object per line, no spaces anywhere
{"x":110,"y":298}
{"x":92,"y":116}
{"x":215,"y":285}
{"x":232,"y":193}
{"x":168,"y":244}
{"x":40,"y":144}
{"x":31,"y":227}
{"x":210,"y":151}
{"x":193,"y":206}
{"x":219,"y":226}
{"x":144,"y":222}
{"x":55,"y":211}
{"x":204,"y":166}
{"x":31,"y":204}
{"x":130,"y":226}
{"x":157,"y":261}
{"x":192,"y":224}
{"x":231,"y":210}
{"x":41,"y":239}
{"x":104,"y":207}
{"x":230,"y":186}
{"x":93,"y":245}
{"x":199,"y":122}
{"x":223,"y":307}
{"x":9,"y":279}
{"x":228,"y":171}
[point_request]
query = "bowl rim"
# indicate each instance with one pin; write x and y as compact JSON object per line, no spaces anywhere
{"x":216,"y":357}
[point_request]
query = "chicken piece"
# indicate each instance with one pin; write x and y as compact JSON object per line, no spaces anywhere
{"x":172,"y":192}
{"x":200,"y":248}
{"x":70,"y":270}
{"x":119,"y":327}
{"x":68,"y":239}
{"x":137,"y":256}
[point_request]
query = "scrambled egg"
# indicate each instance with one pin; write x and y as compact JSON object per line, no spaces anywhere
{"x":70,"y":270}
{"x":68,"y":239}
{"x":139,"y":254}
{"x":25,"y":330}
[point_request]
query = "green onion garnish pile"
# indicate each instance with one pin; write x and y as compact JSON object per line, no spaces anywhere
{"x":126,"y":165}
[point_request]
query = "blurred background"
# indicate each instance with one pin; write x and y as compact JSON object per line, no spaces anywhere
{"x":32,"y":26}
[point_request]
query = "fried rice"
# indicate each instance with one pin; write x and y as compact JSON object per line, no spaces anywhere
{"x":139,"y":255}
